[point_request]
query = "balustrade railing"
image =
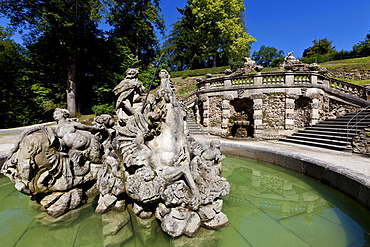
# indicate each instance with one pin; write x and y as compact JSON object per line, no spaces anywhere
{"x":349,"y":88}
{"x":353,"y":123}
{"x":288,"y":78}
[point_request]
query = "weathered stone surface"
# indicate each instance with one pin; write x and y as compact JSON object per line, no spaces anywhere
{"x":176,"y":221}
{"x":124,"y":235}
{"x":105,"y":202}
{"x":146,"y":159}
{"x":60,"y":206}
{"x":114,"y":221}
{"x":47,"y":201}
{"x":219,"y":221}
{"x":193,"y":225}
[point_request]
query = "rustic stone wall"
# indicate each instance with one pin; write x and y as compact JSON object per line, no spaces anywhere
{"x":332,"y":108}
{"x":215,"y":111}
{"x":273,"y":113}
{"x":270,"y":115}
{"x":302,"y":112}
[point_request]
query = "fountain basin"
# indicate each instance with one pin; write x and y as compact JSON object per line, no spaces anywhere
{"x":267,"y":205}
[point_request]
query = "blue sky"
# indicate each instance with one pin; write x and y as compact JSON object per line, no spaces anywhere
{"x":292,"y":25}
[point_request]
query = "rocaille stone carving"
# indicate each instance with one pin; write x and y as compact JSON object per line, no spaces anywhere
{"x":146,"y":162}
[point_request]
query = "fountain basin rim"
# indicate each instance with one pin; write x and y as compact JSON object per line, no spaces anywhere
{"x":352,"y":183}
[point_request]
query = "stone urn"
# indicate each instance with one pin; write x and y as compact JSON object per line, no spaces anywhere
{"x":313,"y":67}
{"x":288,"y":66}
{"x":258,"y":68}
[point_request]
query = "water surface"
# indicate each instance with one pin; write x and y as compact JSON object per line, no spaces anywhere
{"x":267,"y":206}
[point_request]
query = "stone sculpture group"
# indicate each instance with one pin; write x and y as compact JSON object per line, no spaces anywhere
{"x":144,"y":159}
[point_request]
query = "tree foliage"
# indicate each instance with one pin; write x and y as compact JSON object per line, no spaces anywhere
{"x":16,"y":96}
{"x":268,"y":56}
{"x":71,"y":24}
{"x":362,"y":47}
{"x":136,"y":21}
{"x":209,"y":33}
{"x":71,"y":58}
{"x":321,"y":51}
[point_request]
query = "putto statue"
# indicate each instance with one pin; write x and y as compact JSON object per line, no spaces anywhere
{"x":145,"y":163}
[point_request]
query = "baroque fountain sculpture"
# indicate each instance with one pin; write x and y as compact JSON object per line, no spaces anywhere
{"x":145,"y":162}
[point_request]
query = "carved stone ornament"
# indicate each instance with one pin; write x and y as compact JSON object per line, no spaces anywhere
{"x":289,"y":105}
{"x":203,"y":98}
{"x":228,"y":97}
{"x":257,"y":116}
{"x":146,"y":162}
{"x":257,"y":106}
{"x":292,"y":96}
{"x":241,"y":93}
{"x":257,"y":96}
{"x":315,"y":105}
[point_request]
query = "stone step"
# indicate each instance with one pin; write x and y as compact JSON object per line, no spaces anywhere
{"x":194,"y":128}
{"x":331,"y":133}
{"x":324,"y":136}
{"x":328,"y":133}
{"x":339,"y":130}
{"x":337,"y":140}
{"x":345,"y":121}
{"x":338,"y":126}
{"x":317,"y":144}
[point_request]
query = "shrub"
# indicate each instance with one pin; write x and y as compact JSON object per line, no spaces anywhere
{"x":103,"y":109}
{"x":198,"y":72}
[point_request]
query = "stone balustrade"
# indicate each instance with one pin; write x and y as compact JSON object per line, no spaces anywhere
{"x":284,"y":78}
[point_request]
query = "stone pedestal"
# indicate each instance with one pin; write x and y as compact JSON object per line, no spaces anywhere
{"x":258,"y":112}
{"x":226,"y":110}
{"x":289,"y":78}
{"x":205,"y":101}
{"x":289,"y":111}
{"x":315,"y":105}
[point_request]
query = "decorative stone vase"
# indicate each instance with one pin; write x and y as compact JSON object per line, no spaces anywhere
{"x":313,"y":67}
{"x":288,"y":66}
{"x":258,"y":68}
{"x":228,"y":71}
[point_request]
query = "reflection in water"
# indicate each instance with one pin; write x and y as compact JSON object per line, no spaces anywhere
{"x":266,"y":206}
{"x":274,"y":195}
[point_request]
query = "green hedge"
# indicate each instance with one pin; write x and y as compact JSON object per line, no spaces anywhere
{"x":199,"y":72}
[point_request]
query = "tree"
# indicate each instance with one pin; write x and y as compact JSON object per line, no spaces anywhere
{"x":16,"y":98}
{"x":210,"y":33}
{"x":267,"y":55}
{"x":320,"y":47}
{"x":362,"y":47}
{"x":135,"y":22}
{"x":321,"y":51}
{"x":71,"y":24}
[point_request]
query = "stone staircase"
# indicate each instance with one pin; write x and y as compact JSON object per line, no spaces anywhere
{"x":331,"y":133}
{"x":194,"y":128}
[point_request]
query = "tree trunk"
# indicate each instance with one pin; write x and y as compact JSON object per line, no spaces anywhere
{"x":71,"y":86}
{"x":215,"y":60}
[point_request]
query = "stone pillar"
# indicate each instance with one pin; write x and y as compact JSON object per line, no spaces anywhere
{"x":257,"y":113}
{"x":313,"y":79}
{"x":208,"y":83}
{"x":226,"y":110}
{"x":258,"y":79}
{"x":289,"y":111}
{"x":205,"y":103}
{"x":289,"y":78}
{"x":227,"y":81}
{"x":315,"y":105}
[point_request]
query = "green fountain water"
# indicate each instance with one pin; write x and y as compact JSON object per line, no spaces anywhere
{"x":267,"y":206}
